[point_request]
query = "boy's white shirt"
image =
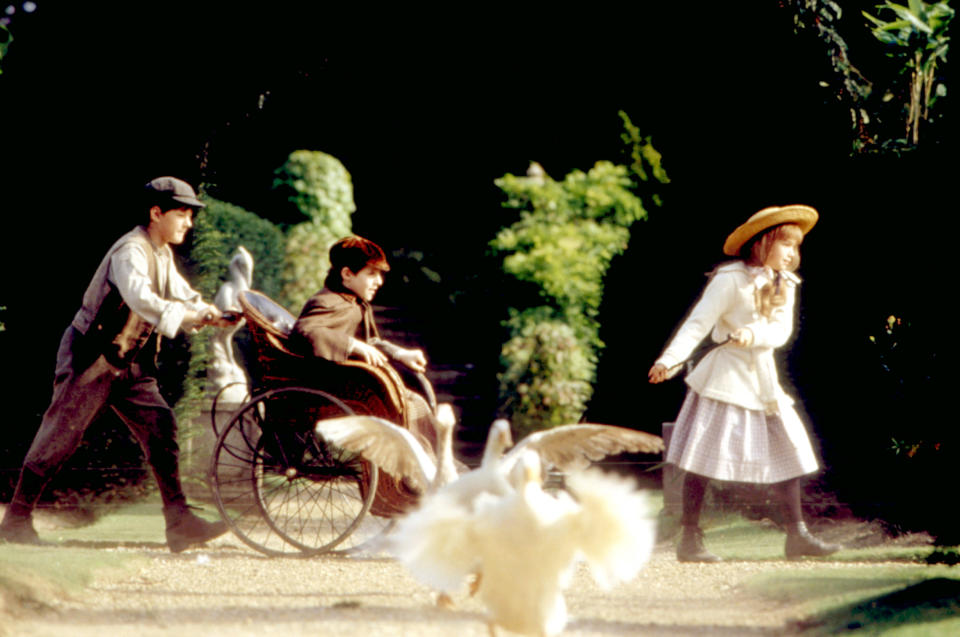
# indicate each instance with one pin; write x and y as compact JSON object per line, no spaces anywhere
{"x":127,"y":268}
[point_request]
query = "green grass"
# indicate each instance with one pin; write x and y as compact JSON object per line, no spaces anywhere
{"x":878,"y":600}
{"x":31,"y":574}
{"x":894,"y":591}
{"x":135,"y":523}
{"x":139,"y":521}
{"x":736,"y":538}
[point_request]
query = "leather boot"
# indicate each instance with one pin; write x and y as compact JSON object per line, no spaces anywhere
{"x":18,"y":529}
{"x":800,"y":543}
{"x":691,"y":549}
{"x":184,"y":529}
{"x":17,"y":524}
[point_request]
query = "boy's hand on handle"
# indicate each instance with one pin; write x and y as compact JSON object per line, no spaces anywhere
{"x":657,"y":373}
{"x":210,"y":315}
{"x":414,"y":359}
{"x":368,"y":353}
{"x":215,"y":318}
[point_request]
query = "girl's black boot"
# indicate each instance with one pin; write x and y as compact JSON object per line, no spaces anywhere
{"x":800,"y":543}
{"x":691,"y":549}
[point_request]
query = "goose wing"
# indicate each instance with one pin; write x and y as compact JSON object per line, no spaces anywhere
{"x":392,"y":448}
{"x":570,"y":447}
{"x":615,"y":529}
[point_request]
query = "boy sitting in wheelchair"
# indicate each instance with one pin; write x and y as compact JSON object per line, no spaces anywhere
{"x":337,"y":322}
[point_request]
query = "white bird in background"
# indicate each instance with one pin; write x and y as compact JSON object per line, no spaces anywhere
{"x":526,"y":542}
{"x":489,"y":477}
{"x":224,"y":368}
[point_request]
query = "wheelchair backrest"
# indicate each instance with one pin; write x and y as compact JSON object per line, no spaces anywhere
{"x":267,"y":311}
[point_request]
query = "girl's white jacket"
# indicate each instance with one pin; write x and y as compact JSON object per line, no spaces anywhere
{"x":744,"y":376}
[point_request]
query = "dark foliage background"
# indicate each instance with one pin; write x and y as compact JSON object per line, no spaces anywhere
{"x":426,"y":110}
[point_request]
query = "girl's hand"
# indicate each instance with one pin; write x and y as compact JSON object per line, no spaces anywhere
{"x":657,"y":373}
{"x":743,"y":337}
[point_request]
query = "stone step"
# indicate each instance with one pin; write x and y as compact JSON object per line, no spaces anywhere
{"x":459,"y":383}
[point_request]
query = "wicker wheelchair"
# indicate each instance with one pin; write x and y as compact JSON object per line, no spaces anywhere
{"x":282,"y":489}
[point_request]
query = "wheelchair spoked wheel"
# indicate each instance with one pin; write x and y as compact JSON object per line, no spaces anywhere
{"x":219,"y":404}
{"x":283,"y":490}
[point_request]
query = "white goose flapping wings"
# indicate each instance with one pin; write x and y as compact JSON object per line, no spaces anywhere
{"x":523,"y":544}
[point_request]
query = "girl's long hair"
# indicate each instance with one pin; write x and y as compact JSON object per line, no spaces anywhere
{"x":774,"y":294}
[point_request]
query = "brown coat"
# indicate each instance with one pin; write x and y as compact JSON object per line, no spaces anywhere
{"x":327,"y":323}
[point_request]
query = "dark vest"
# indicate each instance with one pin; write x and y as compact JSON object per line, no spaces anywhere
{"x":118,"y":332}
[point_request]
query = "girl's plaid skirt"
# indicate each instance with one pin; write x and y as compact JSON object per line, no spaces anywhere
{"x":727,"y":442}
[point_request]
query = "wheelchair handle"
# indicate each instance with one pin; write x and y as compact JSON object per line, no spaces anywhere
{"x":428,"y":391}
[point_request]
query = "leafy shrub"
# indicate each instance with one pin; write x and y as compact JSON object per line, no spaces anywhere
{"x":886,"y":110}
{"x":556,"y":256}
{"x":917,"y":37}
{"x":904,"y":451}
{"x":561,"y":247}
{"x":322,"y":190}
{"x":217,"y":233}
{"x":547,"y":372}
{"x":5,"y":40}
{"x":307,"y":263}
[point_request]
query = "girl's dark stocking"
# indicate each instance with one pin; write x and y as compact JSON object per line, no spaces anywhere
{"x":694,"y":490}
{"x":788,"y":495}
{"x":691,"y":548}
{"x":799,"y":540}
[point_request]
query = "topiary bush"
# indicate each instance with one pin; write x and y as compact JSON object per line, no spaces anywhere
{"x":320,"y":187}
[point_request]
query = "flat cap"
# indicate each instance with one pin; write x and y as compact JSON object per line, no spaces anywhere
{"x":177,"y":189}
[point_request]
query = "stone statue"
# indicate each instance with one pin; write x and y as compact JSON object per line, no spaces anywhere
{"x":224,"y":371}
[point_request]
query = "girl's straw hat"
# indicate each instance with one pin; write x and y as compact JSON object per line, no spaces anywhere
{"x":803,"y":216}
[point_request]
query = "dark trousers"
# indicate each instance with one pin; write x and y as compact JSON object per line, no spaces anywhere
{"x":84,"y":385}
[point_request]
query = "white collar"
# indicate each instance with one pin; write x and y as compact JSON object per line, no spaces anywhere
{"x":762,"y":275}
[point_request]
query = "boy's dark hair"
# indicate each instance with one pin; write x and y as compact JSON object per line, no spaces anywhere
{"x":162,"y":201}
{"x":354,"y":253}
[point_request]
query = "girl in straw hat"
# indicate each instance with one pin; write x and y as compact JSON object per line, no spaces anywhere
{"x":736,"y":422}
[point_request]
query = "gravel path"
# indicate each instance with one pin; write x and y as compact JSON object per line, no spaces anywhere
{"x":226,"y":589}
